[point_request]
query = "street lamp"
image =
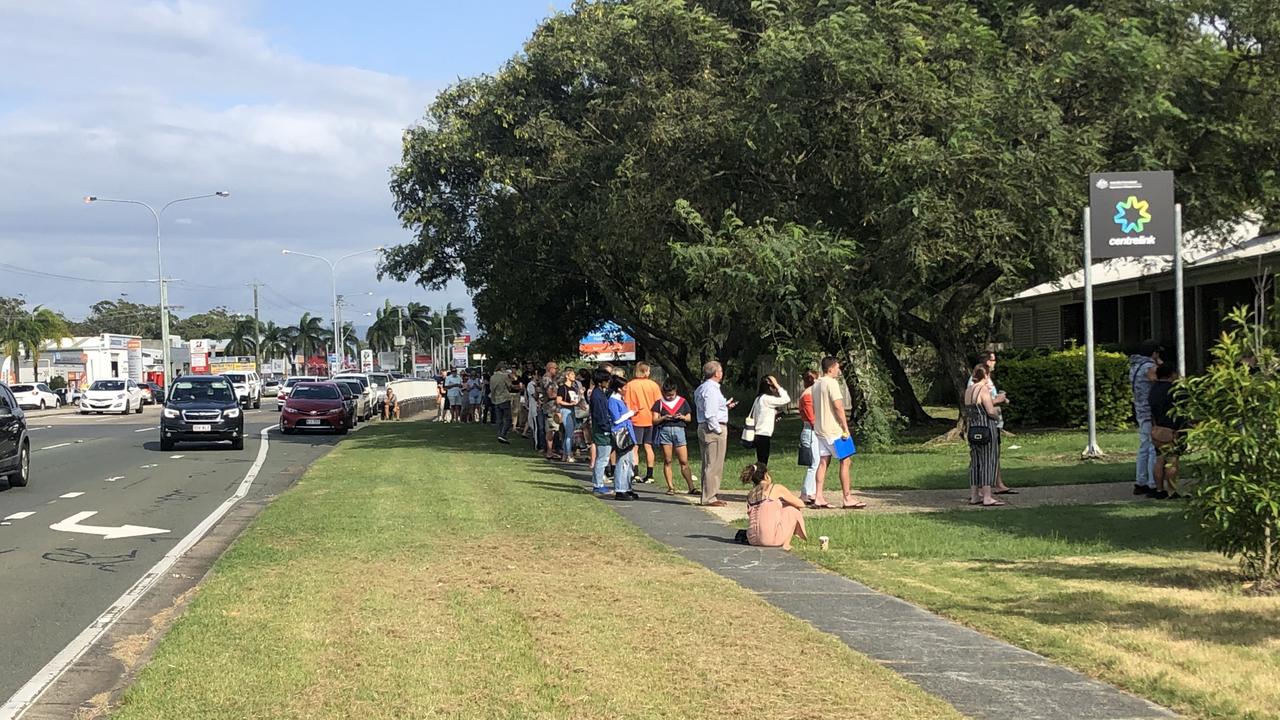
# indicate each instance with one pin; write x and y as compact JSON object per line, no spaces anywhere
{"x":164,"y":293}
{"x":333,"y":278}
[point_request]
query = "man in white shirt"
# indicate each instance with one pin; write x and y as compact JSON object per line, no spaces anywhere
{"x":713,"y":430}
{"x":830,"y":425}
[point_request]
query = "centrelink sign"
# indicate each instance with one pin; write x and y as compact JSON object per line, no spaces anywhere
{"x":1131,"y":214}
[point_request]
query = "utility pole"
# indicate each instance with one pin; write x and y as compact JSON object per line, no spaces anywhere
{"x":257,"y":331}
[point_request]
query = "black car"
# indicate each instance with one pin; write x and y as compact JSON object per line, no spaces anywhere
{"x":15,"y":447}
{"x":202,"y":408}
{"x":156,"y":394}
{"x":349,"y":400}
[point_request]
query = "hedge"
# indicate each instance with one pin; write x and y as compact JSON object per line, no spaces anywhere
{"x":1049,"y":390}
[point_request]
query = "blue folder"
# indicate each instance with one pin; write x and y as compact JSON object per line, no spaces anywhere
{"x":845,"y":448}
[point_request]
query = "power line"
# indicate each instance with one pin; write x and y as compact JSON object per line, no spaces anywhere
{"x":40,"y":273}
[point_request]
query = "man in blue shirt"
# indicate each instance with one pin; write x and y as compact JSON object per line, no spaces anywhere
{"x":1142,"y":374}
{"x":713,"y":430}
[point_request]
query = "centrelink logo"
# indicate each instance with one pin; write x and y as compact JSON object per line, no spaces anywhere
{"x":1132,"y":214}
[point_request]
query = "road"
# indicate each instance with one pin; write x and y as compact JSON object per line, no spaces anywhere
{"x":58,"y":581}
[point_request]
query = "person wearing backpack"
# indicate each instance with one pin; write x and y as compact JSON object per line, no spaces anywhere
{"x":624,"y":441}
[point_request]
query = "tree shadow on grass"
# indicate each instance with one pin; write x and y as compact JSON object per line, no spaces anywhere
{"x":1165,"y":576}
{"x":1119,"y":527}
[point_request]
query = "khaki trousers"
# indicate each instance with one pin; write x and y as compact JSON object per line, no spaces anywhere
{"x":713,"y":446}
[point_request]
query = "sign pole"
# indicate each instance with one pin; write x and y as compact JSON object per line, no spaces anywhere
{"x":1092,"y":450}
{"x":1179,"y":313}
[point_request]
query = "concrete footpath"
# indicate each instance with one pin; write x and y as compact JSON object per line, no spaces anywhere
{"x":981,"y":676}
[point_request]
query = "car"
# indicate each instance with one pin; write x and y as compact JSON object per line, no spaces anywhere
{"x":156,"y":394}
{"x":248,"y":387}
{"x":31,"y":397}
{"x":380,"y":381}
{"x":270,"y":386}
{"x":367,"y":386}
{"x":287,"y":387}
{"x":314,"y":406}
{"x":15,"y":446}
{"x":361,"y":401}
{"x":115,"y":395}
{"x":202,"y":408}
{"x":148,"y":395}
{"x":352,"y":398}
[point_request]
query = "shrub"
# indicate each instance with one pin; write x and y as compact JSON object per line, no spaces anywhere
{"x":57,"y":382}
{"x":1235,"y":441}
{"x":1050,"y":389}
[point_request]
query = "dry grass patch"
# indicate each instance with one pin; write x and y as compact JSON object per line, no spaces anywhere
{"x":447,"y":580}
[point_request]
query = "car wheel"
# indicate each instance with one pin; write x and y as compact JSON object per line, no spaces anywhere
{"x":43,"y":406}
{"x":257,"y":404}
{"x":238,"y":443}
{"x":343,"y":430}
{"x":166,"y":444}
{"x":84,"y":412}
{"x":139,"y":410}
{"x":22,"y":474}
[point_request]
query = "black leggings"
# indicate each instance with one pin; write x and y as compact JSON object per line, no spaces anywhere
{"x":762,"y":449}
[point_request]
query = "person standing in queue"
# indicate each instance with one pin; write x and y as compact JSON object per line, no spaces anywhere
{"x":670,"y":416}
{"x":808,"y":441}
{"x":640,"y":394}
{"x":500,"y":395}
{"x":772,"y":397}
{"x":830,"y":425}
{"x":713,"y":430}
{"x":601,"y":423}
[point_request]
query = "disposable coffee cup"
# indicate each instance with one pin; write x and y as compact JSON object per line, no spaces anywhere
{"x":824,"y":542}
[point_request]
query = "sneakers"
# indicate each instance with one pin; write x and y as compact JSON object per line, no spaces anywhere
{"x":503,"y":440}
{"x":622,"y":496}
{"x":632,"y":494}
{"x":600,"y":491}
{"x":1139,"y":489}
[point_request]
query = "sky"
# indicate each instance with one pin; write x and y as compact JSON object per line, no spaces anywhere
{"x":296,"y":108}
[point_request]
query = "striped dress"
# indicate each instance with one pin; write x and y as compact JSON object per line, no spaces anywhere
{"x":984,"y":460}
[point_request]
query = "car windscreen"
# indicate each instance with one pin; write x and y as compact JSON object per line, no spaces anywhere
{"x":107,"y":385}
{"x":202,"y":392}
{"x":20,"y":388}
{"x":379,"y":379}
{"x":346,"y":390}
{"x":306,"y":391}
{"x":363,"y":382}
{"x":295,"y":380}
{"x":234,"y":377}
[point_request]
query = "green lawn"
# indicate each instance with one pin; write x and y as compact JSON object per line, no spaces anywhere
{"x":1121,"y":592}
{"x":1033,"y":457}
{"x":423,"y":571}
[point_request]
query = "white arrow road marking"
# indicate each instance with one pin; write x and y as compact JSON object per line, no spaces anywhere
{"x":113,"y":479}
{"x":20,"y":516}
{"x":72,"y":524}
{"x":35,"y":687}
{"x":175,"y":457}
{"x":51,"y":447}
{"x":71,"y":495}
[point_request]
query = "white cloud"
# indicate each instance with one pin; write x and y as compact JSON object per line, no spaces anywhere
{"x":156,"y":100}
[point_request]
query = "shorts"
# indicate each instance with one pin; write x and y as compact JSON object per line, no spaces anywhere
{"x":645,"y":435}
{"x":602,"y":439}
{"x":553,"y":421}
{"x":826,"y":448}
{"x":672,"y":435}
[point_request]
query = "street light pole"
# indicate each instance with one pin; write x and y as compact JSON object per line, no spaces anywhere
{"x":164,"y":294}
{"x":333,"y":279}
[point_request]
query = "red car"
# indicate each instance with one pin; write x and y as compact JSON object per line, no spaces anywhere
{"x":315,"y":406}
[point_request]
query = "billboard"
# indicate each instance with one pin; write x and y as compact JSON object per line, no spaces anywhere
{"x":1131,"y":214}
{"x":366,"y":360}
{"x":134,"y":347}
{"x":608,"y":344}
{"x":388,"y":360}
{"x":460,"y":354}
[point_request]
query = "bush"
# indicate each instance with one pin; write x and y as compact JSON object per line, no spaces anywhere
{"x":1050,"y":389}
{"x":1235,"y":441}
{"x":57,"y":382}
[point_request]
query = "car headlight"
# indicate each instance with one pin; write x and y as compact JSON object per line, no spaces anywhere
{"x":231,"y":413}
{"x":171,"y":413}
{"x":288,"y":409}
{"x":336,"y":411}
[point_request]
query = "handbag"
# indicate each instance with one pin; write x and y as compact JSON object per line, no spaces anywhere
{"x":749,"y":434}
{"x":622,"y":441}
{"x":805,"y":457}
{"x":977,"y":435}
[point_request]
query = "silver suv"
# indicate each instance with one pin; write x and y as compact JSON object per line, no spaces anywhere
{"x":248,"y":387}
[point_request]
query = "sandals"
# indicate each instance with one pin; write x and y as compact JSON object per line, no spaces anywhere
{"x":1006,"y":491}
{"x":993,"y":503}
{"x":855,"y":506}
{"x":671,"y":491}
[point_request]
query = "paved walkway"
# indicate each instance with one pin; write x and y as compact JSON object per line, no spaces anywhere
{"x":982,"y":677}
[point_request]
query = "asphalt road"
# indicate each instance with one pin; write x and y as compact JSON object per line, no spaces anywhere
{"x":55,"y":582}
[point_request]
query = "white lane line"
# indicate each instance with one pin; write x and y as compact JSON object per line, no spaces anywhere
{"x":20,"y":516}
{"x":51,"y":447}
{"x":31,"y":691}
{"x":147,"y":467}
{"x":145,"y":430}
{"x":176,"y":457}
{"x":113,"y":479}
{"x":71,"y":495}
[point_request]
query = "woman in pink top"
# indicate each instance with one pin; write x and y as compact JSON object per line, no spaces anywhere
{"x":773,"y":513}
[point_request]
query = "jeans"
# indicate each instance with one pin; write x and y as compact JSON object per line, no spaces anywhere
{"x":540,"y":431}
{"x":810,"y":440}
{"x":602,"y":462}
{"x":1146,"y":470}
{"x":623,"y":471}
{"x":566,"y":432}
{"x":502,"y":416}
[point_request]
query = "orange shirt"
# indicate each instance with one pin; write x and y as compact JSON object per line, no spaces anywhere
{"x":806,"y":406}
{"x":640,"y":395}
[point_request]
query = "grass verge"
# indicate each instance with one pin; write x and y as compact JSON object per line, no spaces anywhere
{"x":1120,"y":592}
{"x":421,"y":571}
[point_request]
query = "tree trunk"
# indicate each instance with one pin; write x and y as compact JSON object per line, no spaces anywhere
{"x":904,"y":395}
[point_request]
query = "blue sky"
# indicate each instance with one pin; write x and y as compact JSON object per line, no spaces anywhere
{"x":295,"y":107}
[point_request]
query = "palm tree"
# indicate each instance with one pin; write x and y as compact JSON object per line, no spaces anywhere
{"x":243,"y":337}
{"x":275,"y":341}
{"x":311,"y":335}
{"x":381,"y":334}
{"x":351,"y":344}
{"x":30,"y":331}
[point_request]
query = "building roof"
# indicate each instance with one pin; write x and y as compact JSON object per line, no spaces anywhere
{"x":1199,"y":251}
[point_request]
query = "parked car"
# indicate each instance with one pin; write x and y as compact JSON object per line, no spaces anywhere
{"x":156,"y":396}
{"x":270,"y":386}
{"x":287,"y":387}
{"x":115,"y":395}
{"x":379,"y":381}
{"x":366,"y":389}
{"x":248,"y":387}
{"x":314,"y":406}
{"x":31,"y":397}
{"x":352,"y":398}
{"x":15,"y":447}
{"x":202,"y":408}
{"x":363,"y":409}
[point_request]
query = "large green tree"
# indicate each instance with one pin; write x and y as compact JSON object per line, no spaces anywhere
{"x":729,"y":178}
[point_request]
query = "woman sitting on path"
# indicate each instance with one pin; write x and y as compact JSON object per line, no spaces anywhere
{"x":984,"y":458}
{"x":773,"y":513}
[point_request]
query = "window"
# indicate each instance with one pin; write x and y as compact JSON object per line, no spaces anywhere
{"x":234,"y":377}
{"x":311,"y":391}
{"x":7,"y":401}
{"x":21,"y":388}
{"x":202,"y":392}
{"x":108,"y":385}
{"x":44,"y":388}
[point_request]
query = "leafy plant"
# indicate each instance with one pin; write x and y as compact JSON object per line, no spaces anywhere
{"x":1049,"y":389}
{"x":1235,"y":442}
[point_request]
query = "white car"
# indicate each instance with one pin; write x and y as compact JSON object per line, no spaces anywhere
{"x":248,"y":387}
{"x":286,"y":387}
{"x":35,"y":396}
{"x":370,"y":396}
{"x":115,"y":395}
{"x":379,"y":381}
